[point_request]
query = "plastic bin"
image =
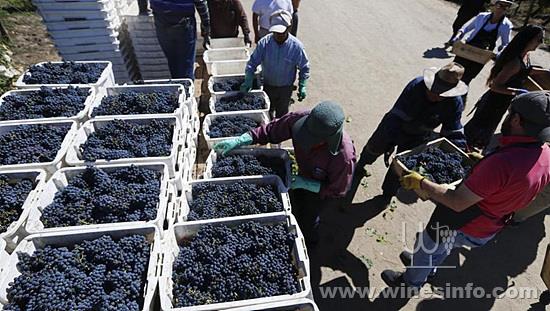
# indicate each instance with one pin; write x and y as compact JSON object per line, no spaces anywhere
{"x":61,"y":179}
{"x":259,"y":116}
{"x":178,"y":211}
{"x":224,"y":55}
{"x":62,"y":15}
{"x":106,"y":79}
{"x":15,"y":230}
{"x":79,"y":117}
{"x":225,"y":43}
{"x":216,"y":79}
{"x":51,"y":166}
{"x":188,"y":84}
{"x":214,"y":98}
{"x":178,"y":143}
{"x":264,"y":155}
{"x":187,"y":231}
{"x":181,"y":112}
{"x":74,"y":5}
{"x":236,"y":67}
{"x":300,"y":304}
{"x":68,"y":239}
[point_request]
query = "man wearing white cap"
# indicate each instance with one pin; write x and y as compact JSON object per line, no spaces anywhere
{"x":262,"y":11}
{"x":280,"y":55}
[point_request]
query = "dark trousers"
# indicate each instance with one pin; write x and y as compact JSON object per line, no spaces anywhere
{"x":384,"y":139}
{"x":294,"y":26}
{"x":306,"y":207}
{"x":177,"y":37}
{"x":471,"y":69}
{"x":279,"y":96}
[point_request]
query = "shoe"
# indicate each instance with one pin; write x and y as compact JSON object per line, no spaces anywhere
{"x":393,"y":278}
{"x":406,"y":259}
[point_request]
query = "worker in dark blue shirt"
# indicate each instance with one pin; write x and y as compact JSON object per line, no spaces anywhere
{"x":427,"y":102}
{"x":177,"y":32}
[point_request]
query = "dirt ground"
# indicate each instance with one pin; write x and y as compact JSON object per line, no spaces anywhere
{"x":362,"y":55}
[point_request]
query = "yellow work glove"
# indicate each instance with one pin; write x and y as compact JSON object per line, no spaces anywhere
{"x":475,"y":156}
{"x":411,"y":181}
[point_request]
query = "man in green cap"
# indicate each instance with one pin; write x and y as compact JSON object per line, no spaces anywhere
{"x":325,"y":155}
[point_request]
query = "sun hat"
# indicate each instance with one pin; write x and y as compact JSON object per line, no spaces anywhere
{"x":446,"y":81}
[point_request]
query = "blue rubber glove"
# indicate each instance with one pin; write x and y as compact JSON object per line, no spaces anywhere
{"x":247,"y":84}
{"x":302,"y":90}
{"x":299,"y":182}
{"x":521,"y":91}
{"x":227,"y":145}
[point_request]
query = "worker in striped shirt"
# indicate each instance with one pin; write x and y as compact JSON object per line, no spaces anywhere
{"x":177,"y":34}
{"x":281,"y":55}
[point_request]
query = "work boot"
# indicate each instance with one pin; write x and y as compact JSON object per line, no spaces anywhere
{"x":407,"y":258}
{"x":393,"y":278}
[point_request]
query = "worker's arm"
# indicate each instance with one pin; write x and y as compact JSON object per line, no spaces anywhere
{"x":202,"y":8}
{"x":339,"y":178}
{"x":505,"y":33}
{"x":469,"y":26}
{"x":303,"y":65}
{"x":276,"y":131}
{"x":458,"y":200}
{"x":256,"y":58}
{"x":296,"y":5}
{"x":256,"y":26}
{"x":242,"y":18}
{"x":498,"y":84}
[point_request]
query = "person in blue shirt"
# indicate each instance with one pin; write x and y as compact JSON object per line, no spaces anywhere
{"x":427,"y":102}
{"x":281,"y":55}
{"x":176,"y":29}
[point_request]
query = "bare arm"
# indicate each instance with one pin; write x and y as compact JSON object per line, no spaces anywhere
{"x":255,"y":26}
{"x":296,"y":4}
{"x":458,"y":200}
{"x":498,"y":85}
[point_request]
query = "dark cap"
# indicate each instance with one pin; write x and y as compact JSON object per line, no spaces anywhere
{"x":325,"y":123}
{"x":534,"y":109}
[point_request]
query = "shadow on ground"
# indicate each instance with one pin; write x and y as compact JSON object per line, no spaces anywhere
{"x":437,"y":52}
{"x":489,"y":267}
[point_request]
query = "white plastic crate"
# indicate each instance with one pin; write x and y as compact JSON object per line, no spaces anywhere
{"x":258,"y":116}
{"x":4,"y":258}
{"x":90,"y":48}
{"x":187,"y":231}
{"x":266,"y":153}
{"x":106,"y":14}
{"x":181,"y":112}
{"x":150,"y":54}
{"x":213,"y":80}
{"x":51,"y":166}
{"x":107,"y":29}
{"x":61,"y":179}
{"x":237,"y":67}
{"x":178,"y":211}
{"x":224,"y":55}
{"x":12,"y":235}
{"x":74,"y":5}
{"x":225,"y":43}
{"x":300,"y":305}
{"x":79,"y":117}
{"x":68,"y":239}
{"x":188,"y":84}
{"x":106,"y":78}
{"x":214,"y":98}
{"x":74,"y":154}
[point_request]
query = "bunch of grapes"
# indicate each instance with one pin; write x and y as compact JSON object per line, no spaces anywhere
{"x":226,"y":126}
{"x":99,"y":274}
{"x":240,"y":101}
{"x":222,"y":264}
{"x":96,"y":197}
{"x":13,"y":194}
{"x":64,"y":73}
{"x":232,"y":84}
{"x":437,"y":165}
{"x":137,"y":103}
{"x":240,"y":165}
{"x":120,"y":139}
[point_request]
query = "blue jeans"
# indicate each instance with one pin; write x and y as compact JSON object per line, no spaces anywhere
{"x":177,"y":37}
{"x":428,"y":255}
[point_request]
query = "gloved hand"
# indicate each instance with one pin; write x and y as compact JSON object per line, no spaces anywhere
{"x":412,"y":181}
{"x":247,"y":40}
{"x":247,"y":84}
{"x":302,"y":90}
{"x":227,"y":145}
{"x":299,"y":182}
{"x":520,"y":91}
{"x":206,"y":42}
{"x":475,"y":156}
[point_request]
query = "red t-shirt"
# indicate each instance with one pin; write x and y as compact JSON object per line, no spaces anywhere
{"x":507,"y":181}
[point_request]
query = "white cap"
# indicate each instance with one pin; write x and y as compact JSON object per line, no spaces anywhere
{"x":280,"y":21}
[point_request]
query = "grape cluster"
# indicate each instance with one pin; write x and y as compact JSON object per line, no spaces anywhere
{"x":231,"y":126}
{"x":120,"y":139}
{"x":45,"y":103}
{"x":240,"y":101}
{"x":186,"y":84}
{"x":240,"y":165}
{"x":13,"y":194}
{"x":31,"y":143}
{"x":222,"y":264}
{"x":100,"y":274}
{"x":96,"y":197}
{"x":137,"y":103}
{"x":64,"y":73}
{"x":437,"y":165}
{"x":232,"y":84}
{"x":212,"y":200}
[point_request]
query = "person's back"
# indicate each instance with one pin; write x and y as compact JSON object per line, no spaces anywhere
{"x":263,"y":9}
{"x":226,"y":17}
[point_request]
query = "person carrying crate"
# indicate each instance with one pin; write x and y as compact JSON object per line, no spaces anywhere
{"x":226,"y":16}
{"x":177,"y":34}
{"x":281,"y":55}
{"x":325,"y":155}
{"x":427,"y":102}
{"x":502,"y":183}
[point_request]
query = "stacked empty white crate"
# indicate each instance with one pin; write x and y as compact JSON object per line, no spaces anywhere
{"x":91,"y":31}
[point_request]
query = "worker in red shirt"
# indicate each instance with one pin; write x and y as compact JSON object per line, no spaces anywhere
{"x":503,"y":182}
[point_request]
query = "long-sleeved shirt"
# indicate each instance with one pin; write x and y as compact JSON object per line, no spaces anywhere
{"x":173,"y":10}
{"x":470,"y":30}
{"x":418,"y":115}
{"x":264,"y":9}
{"x":279,"y":61}
{"x":335,"y":172}
{"x":227,"y":16}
